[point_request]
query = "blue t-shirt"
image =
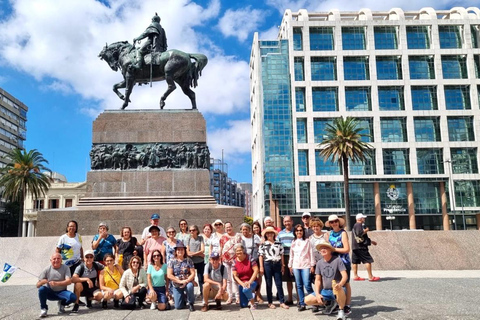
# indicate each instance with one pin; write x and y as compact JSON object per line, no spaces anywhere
{"x":105,"y":246}
{"x":286,"y":238}
{"x":158,"y":277}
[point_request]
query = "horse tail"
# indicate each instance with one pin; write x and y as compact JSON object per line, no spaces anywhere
{"x":196,"y":68}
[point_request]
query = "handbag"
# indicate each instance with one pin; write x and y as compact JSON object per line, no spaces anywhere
{"x":130,"y":305}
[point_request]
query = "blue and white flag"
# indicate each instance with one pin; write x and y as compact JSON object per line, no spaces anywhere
{"x":7,"y":272}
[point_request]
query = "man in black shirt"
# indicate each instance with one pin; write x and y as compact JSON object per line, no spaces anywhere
{"x":360,"y":253}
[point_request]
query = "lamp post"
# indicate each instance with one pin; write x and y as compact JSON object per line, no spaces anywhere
{"x":461,"y":201}
{"x":452,"y":192}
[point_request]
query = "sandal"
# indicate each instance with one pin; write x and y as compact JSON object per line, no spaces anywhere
{"x":271,"y":306}
{"x":237,"y":301}
{"x":229,"y":301}
{"x":253,"y":306}
{"x":374,"y":279}
{"x":284,"y":306}
{"x":358,"y":279}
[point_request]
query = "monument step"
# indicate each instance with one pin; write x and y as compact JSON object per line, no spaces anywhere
{"x":147,"y":201}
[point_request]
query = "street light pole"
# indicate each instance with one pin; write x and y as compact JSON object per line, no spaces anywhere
{"x":452,"y":192}
{"x":461,"y":201}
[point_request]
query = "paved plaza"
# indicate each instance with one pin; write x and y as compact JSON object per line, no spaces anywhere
{"x":399,"y":295}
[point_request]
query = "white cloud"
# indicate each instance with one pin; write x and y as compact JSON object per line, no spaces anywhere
{"x":240,"y":23}
{"x":270,"y":34}
{"x":233,"y":140}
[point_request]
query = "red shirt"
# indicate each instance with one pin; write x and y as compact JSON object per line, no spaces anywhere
{"x":244,"y":268}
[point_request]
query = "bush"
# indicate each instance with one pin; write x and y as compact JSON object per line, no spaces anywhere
{"x":248,"y":220}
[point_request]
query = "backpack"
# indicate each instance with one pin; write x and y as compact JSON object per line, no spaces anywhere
{"x":209,"y":269}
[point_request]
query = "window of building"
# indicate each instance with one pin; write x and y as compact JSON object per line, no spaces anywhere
{"x":304,"y":188}
{"x":454,"y":67}
{"x":302,"y":130}
{"x":464,"y":160}
{"x":430,"y":161}
{"x":385,"y":38}
{"x":424,"y":98}
{"x":356,"y":68}
{"x":389,"y":68}
{"x":303,"y":162}
{"x":450,"y":37}
{"x":297,"y":39}
{"x":38,"y":204}
{"x":319,"y":125}
{"x":418,"y":37}
{"x":358,"y":99}
{"x":467,"y":193}
{"x":299,"y":69}
{"x":325,"y":99}
{"x":396,"y":161}
{"x":324,"y":68}
{"x":353,"y":38}
{"x":68,"y":203}
{"x":460,"y":129}
{"x":457,"y":97}
{"x":427,"y":129}
{"x":367,"y":132}
{"x":321,"y":38}
{"x":393,"y":129}
{"x":326,"y":167}
{"x":367,"y":167}
{"x":390,"y":98}
{"x":427,"y":198}
{"x":362,"y":198}
{"x":475,"y":35}
{"x":300,"y":99}
{"x":330,"y":195}
{"x":421,"y":67}
{"x":53,"y":204}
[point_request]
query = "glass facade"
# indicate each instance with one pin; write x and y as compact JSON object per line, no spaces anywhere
{"x":385,"y":38}
{"x":457,"y":97}
{"x":301,"y":130}
{"x":324,"y":68}
{"x":300,"y":99}
{"x":450,"y":37}
{"x":464,"y":160}
{"x":358,"y":99}
{"x":303,"y":162}
{"x":330,"y":195}
{"x":297,"y":39}
{"x":427,"y":129}
{"x":319,"y":125}
{"x":321,"y":38}
{"x":278,"y":175}
{"x":424,"y":98}
{"x":367,"y":167}
{"x":326,"y":167}
{"x":393,"y":129}
{"x":454,"y":67}
{"x":390,"y":98}
{"x":427,"y":198}
{"x":356,"y":68}
{"x":304,"y":188}
{"x":353,"y":38}
{"x":474,"y":29}
{"x":421,"y":67}
{"x":396,"y":161}
{"x":418,"y":37}
{"x":361,"y":197}
{"x":430,"y":161}
{"x":389,"y":68}
{"x":393,"y":198}
{"x":460,"y":129}
{"x":367,"y":132}
{"x":299,"y":69}
{"x":467,"y":193}
{"x":325,"y":99}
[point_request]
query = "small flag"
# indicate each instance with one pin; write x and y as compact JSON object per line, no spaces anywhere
{"x":7,"y":272}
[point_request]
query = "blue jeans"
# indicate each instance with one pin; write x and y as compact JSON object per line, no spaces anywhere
{"x":46,"y":293}
{"x":274,"y":270}
{"x":302,"y":279}
{"x":246,"y":294}
{"x":180,"y":293}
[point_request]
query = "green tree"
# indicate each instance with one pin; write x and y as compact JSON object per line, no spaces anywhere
{"x":23,"y":174}
{"x":342,"y":142}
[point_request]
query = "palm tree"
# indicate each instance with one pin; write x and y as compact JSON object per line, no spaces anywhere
{"x":341,"y":143}
{"x":24,"y":174}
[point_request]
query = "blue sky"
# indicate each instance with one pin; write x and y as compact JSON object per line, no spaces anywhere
{"x":48,"y":60}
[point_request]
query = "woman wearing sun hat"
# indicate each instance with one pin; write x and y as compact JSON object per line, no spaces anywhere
{"x":338,"y":238}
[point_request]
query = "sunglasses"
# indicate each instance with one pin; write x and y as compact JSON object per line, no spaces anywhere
{"x":156,"y":255}
{"x":334,"y":221}
{"x":88,"y":257}
{"x":305,"y":217}
{"x":170,"y":231}
{"x":183,"y":224}
{"x":299,"y":230}
{"x":135,"y":262}
{"x":218,"y":224}
{"x":192,"y":230}
{"x":109,"y":260}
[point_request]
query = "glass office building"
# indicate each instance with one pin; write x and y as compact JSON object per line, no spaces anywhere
{"x":411,"y":78}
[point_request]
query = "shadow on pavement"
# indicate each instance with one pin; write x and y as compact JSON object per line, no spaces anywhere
{"x":368,"y":312}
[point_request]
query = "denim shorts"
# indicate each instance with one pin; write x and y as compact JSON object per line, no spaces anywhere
{"x":161,"y":294}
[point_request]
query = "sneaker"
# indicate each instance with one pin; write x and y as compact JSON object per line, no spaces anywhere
{"x":302,"y":308}
{"x":347,"y":310}
{"x":191,"y":307}
{"x":81,"y":303}
{"x":61,"y":308}
{"x":116,"y":304}
{"x":104,"y":304}
{"x":43,"y":313}
{"x":89,"y":304}
{"x":205,"y":308}
{"x":218,"y":303}
{"x":329,"y":309}
{"x":153,"y":306}
{"x":341,"y":315}
{"x":75,"y":308}
{"x":315,"y":309}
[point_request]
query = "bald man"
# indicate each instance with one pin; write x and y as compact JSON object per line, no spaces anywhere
{"x":52,"y":285}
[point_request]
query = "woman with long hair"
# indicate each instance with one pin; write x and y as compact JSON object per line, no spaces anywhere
{"x":157,"y":281}
{"x":183,"y":234}
{"x":133,"y":283}
{"x":109,"y":281}
{"x":207,"y":235}
{"x":125,"y":245}
{"x":196,"y":252}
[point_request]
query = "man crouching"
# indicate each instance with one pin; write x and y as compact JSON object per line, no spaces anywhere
{"x":215,"y":285}
{"x":330,"y":277}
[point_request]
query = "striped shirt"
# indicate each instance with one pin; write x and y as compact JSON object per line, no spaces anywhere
{"x":286,"y":237}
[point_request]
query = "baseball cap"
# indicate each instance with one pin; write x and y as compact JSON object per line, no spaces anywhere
{"x":89,"y":252}
{"x":155,"y":216}
{"x":214,"y":255}
{"x":360,"y":216}
{"x":306,"y":214}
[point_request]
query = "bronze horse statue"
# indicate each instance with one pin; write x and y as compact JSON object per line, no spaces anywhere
{"x":172,"y":66}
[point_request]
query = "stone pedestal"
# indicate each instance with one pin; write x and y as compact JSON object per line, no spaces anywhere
{"x":127,"y":196}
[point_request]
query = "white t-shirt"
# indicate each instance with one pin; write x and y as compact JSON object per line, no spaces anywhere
{"x":146,"y":233}
{"x":247,"y":243}
{"x":70,"y":248}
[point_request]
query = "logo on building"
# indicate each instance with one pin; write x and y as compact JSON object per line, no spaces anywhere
{"x":393,"y":193}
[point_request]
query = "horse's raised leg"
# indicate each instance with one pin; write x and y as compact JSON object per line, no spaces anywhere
{"x":130,"y":81}
{"x":117,"y":86}
{"x":171,"y":87}
{"x":189,"y":93}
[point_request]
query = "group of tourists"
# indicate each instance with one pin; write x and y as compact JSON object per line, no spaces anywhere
{"x":163,"y":267}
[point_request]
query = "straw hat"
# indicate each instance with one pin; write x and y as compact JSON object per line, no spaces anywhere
{"x":269,"y":229}
{"x":334,"y":217}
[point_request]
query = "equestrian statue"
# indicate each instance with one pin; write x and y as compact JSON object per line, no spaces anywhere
{"x":153,"y":62}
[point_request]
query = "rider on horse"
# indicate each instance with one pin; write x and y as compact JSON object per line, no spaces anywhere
{"x":156,"y":41}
